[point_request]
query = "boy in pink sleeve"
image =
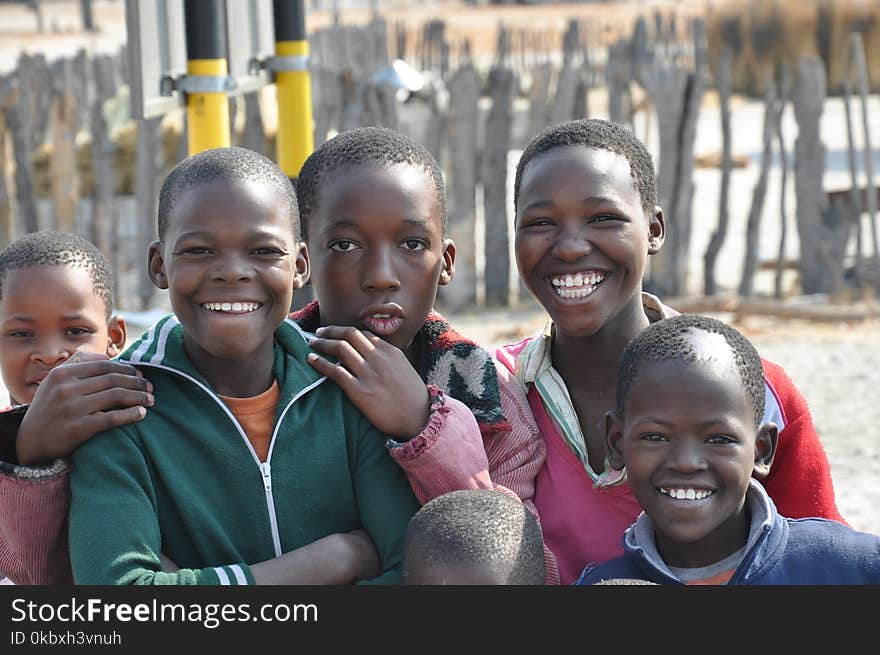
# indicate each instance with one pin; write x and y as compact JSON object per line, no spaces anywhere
{"x":373,"y":205}
{"x":56,"y":294}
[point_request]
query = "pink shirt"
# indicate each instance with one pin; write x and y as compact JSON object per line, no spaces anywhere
{"x":582,"y":523}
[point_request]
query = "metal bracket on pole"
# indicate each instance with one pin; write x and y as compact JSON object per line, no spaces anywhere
{"x":276,"y":64}
{"x":197,"y":84}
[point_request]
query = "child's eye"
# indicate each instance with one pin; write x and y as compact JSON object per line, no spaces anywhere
{"x":653,"y":437}
{"x":78,"y":332}
{"x":20,"y":334}
{"x":195,"y":250}
{"x":720,"y":439}
{"x":268,"y":250}
{"x":602,"y":218}
{"x":414,"y":244}
{"x":343,"y":245}
{"x":536,"y":222}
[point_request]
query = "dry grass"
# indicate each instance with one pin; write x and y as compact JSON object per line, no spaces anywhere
{"x":763,"y":33}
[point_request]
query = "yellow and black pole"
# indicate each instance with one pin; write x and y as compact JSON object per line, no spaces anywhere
{"x":290,"y":65}
{"x":207,"y":76}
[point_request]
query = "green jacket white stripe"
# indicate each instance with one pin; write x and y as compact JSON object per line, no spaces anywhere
{"x":185,"y":481}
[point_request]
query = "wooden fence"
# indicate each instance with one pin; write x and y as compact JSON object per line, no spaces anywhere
{"x":67,"y":163}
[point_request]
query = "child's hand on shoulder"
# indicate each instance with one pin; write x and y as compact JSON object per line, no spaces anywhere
{"x":377,"y":378}
{"x":86,"y":395}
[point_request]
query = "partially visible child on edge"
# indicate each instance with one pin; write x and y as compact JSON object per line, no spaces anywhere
{"x":373,"y":206}
{"x":293,"y":485}
{"x":586,"y":221}
{"x":473,"y":537}
{"x":689,"y":428}
{"x":56,"y":295}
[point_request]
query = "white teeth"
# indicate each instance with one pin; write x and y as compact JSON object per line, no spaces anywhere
{"x":582,"y":284}
{"x":381,"y":315}
{"x":687,"y":494}
{"x":231,"y":306}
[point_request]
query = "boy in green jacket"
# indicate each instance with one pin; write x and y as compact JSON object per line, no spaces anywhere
{"x":251,"y":467}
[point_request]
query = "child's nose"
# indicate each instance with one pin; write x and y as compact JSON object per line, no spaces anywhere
{"x":52,"y":353}
{"x":380,"y":272}
{"x":686,"y":458}
{"x":232,"y":269}
{"x":572,"y":245}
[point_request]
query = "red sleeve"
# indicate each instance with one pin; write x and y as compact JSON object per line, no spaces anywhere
{"x":800,"y":478}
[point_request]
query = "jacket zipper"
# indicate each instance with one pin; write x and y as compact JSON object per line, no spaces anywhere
{"x":265,"y":468}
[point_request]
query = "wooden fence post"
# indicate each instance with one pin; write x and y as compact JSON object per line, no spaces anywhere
{"x":722,"y":81}
{"x":63,"y":173}
{"x":563,"y":108}
{"x":784,"y":98}
{"x":8,"y":93}
{"x":855,"y":198}
{"x":104,"y":171}
{"x":820,"y":273}
{"x":750,"y":255}
{"x":493,"y":174}
{"x":857,"y":50}
{"x":464,"y":96}
{"x":147,"y":170}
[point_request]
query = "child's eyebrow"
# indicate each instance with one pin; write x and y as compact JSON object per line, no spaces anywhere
{"x":334,"y":224}
{"x":589,"y":200}
{"x":22,"y":318}
{"x":419,"y":222}
{"x":210,"y":234}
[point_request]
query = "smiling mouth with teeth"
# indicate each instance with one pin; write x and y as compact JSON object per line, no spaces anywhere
{"x":577,"y":285}
{"x":686,"y":494}
{"x":232,"y":307}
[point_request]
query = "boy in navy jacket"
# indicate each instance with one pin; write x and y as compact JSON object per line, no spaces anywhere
{"x":690,"y":398}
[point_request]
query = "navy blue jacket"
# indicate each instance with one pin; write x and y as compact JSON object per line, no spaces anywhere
{"x":781,"y":551}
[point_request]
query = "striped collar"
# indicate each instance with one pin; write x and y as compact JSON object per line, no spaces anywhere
{"x":534,"y":366}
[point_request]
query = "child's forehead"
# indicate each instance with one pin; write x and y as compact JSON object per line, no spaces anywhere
{"x":579,"y":168}
{"x":247,"y":200}
{"x":398,"y":187}
{"x":240,"y":189}
{"x":71,"y":282}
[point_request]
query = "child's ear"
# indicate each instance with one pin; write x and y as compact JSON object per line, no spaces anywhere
{"x":765,"y":449}
{"x":156,"y":265}
{"x":614,"y":440}
{"x":448,"y":271}
{"x":656,"y":231}
{"x":301,"y":266}
{"x":115,"y":335}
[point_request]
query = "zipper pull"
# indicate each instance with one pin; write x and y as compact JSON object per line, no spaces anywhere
{"x":266,"y":471}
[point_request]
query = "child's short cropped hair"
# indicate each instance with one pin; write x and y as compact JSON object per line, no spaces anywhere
{"x":478,"y":528}
{"x":600,"y":134}
{"x":365,"y":145}
{"x":668,"y":340}
{"x":50,"y":248}
{"x":225,"y":165}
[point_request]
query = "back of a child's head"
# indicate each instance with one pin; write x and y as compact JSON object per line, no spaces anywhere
{"x":674,"y":339}
{"x":361,"y":147}
{"x":63,"y":249}
{"x":231,"y":165}
{"x":474,"y":536}
{"x":598,"y":134}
